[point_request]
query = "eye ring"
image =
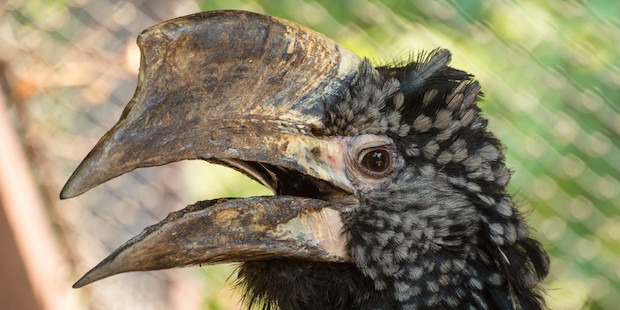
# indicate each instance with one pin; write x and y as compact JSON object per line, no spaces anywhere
{"x":375,"y":162}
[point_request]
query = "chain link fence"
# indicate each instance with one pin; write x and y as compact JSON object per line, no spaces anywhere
{"x":550,"y":71}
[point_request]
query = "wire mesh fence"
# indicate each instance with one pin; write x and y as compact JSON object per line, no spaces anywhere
{"x":550,"y":72}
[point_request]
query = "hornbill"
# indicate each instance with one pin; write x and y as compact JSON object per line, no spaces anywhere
{"x":390,"y":192}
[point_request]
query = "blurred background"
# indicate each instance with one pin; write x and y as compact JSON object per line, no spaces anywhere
{"x":550,"y":71}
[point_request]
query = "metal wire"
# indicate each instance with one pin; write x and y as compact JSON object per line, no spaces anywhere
{"x":550,"y":71}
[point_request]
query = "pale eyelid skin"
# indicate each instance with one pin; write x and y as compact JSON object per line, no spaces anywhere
{"x":355,"y":149}
{"x":338,"y":158}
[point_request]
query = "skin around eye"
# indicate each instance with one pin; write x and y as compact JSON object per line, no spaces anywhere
{"x":370,"y":160}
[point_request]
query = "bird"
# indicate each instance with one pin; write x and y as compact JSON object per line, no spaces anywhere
{"x":389,"y":189}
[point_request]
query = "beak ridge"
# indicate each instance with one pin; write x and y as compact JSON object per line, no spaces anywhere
{"x":208,"y":78}
{"x":235,"y":230}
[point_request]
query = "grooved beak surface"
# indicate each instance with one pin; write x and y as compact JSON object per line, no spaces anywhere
{"x":244,"y":90}
{"x":236,"y":230}
{"x":222,"y":84}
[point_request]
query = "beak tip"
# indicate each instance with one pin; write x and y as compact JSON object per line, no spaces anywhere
{"x":85,"y":177}
{"x":71,"y":189}
{"x":78,"y":284}
{"x":103,"y":270}
{"x":84,"y":280}
{"x":90,"y":277}
{"x":66,"y":193}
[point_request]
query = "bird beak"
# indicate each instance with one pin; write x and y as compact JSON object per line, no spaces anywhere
{"x":244,"y":90}
{"x":236,"y":230}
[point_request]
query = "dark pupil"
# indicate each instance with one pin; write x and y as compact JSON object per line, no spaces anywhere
{"x":376,"y":161}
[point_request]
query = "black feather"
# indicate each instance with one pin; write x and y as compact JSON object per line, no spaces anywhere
{"x":443,"y":233}
{"x":420,"y":72}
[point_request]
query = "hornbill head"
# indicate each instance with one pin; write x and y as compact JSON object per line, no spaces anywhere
{"x":389,"y":190}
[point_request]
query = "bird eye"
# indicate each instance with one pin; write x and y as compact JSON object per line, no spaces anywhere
{"x":376,"y":162}
{"x":370,"y":160}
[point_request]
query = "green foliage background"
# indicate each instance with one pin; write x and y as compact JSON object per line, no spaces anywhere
{"x":550,"y":71}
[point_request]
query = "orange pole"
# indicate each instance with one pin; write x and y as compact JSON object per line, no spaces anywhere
{"x":47,"y":269}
